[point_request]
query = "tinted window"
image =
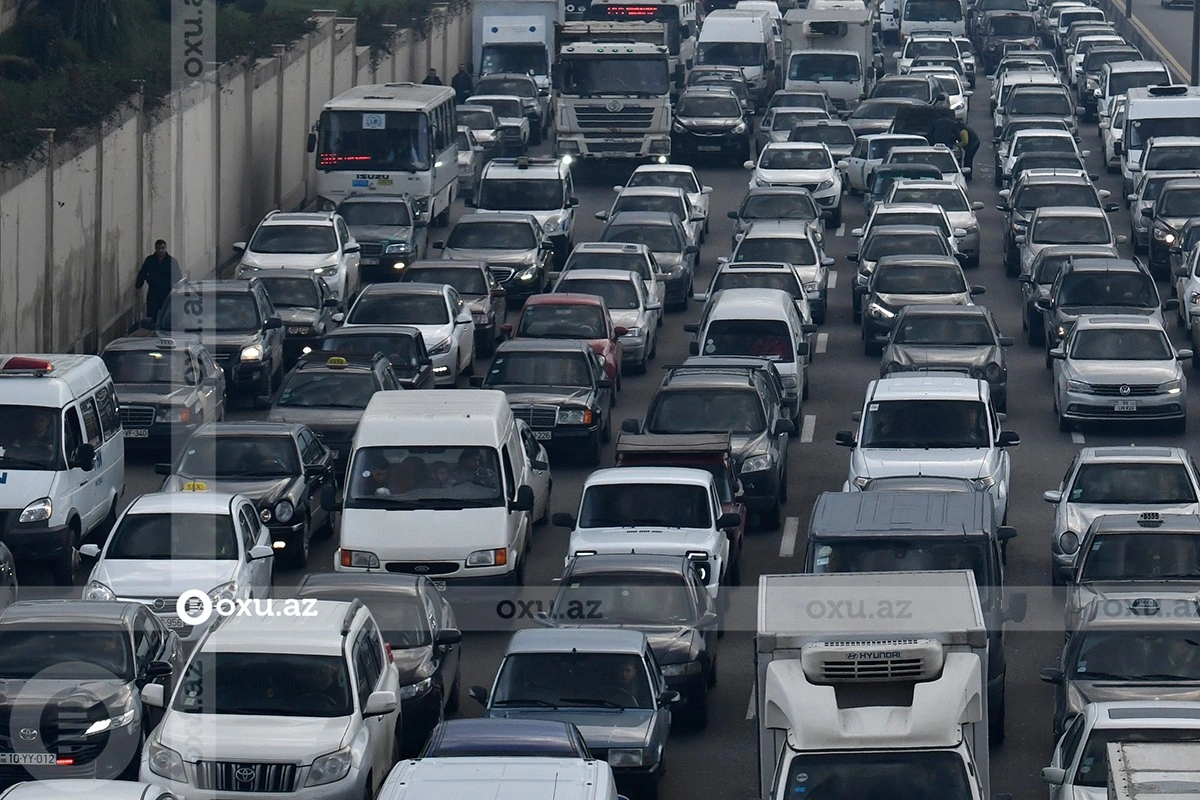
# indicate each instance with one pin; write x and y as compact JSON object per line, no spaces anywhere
{"x":1129,"y":483}
{"x":76,"y":653}
{"x":778,"y":206}
{"x":178,"y":536}
{"x":239,"y":457}
{"x":1130,"y":289}
{"x":617,"y":294}
{"x":892,"y":244}
{"x":925,"y":424}
{"x":266,"y":684}
{"x":573,"y":680}
{"x":492,"y":236}
{"x":1034,"y":196}
{"x":527,"y":194}
{"x":400,"y":349}
{"x":399,"y":309}
{"x":1071,"y":230}
{"x":737,"y":412}
{"x":1144,"y":556}
{"x":217,"y":312}
{"x":291,"y":293}
{"x":562,"y":322}
{"x":657,"y":238}
{"x":789,"y":158}
{"x":334,"y":389}
{"x":425,"y":477}
{"x":798,"y":252}
{"x":623,"y":262}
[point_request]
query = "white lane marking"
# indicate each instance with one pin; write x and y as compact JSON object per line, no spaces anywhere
{"x":809,"y":427}
{"x":787,"y":547}
{"x":822,"y":342}
{"x":832,"y":279}
{"x":752,"y":708}
{"x":1077,"y":437}
{"x":841,"y":230}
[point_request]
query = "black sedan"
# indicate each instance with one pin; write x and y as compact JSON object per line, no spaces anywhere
{"x":282,"y":467}
{"x":419,"y":626}
{"x":663,"y":597}
{"x":559,"y":388}
{"x":305,"y":305}
{"x":506,"y":738}
{"x":403,"y":345}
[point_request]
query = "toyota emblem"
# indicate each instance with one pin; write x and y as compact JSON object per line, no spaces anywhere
{"x":28,"y":734}
{"x":244,"y":774}
{"x":615,"y":105}
{"x":1124,"y":390}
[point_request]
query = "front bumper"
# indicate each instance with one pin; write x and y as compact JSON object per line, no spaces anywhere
{"x":761,"y":489}
{"x":693,"y":143}
{"x":351,"y":787}
{"x":36,"y":541}
{"x":388,"y":268}
{"x":420,"y":714}
{"x":1080,"y":406}
{"x":616,"y":147}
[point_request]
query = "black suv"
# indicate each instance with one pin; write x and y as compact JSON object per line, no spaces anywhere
{"x":710,"y":124}
{"x":390,"y":232}
{"x":73,"y":673}
{"x":997,"y":28}
{"x":691,"y":400}
{"x":237,"y":322}
{"x":1088,"y":80}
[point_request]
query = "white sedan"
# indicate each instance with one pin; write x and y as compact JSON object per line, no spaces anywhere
{"x":680,"y":176}
{"x":805,"y":164}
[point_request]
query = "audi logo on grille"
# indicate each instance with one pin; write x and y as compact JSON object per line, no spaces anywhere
{"x":244,"y":774}
{"x":1124,"y":390}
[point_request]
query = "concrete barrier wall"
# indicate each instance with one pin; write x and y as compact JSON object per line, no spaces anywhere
{"x":77,"y":219}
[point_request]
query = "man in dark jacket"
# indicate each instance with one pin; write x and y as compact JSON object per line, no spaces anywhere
{"x":944,"y":131}
{"x":968,"y":140}
{"x":432,"y":79}
{"x":462,"y":84}
{"x":160,"y":271}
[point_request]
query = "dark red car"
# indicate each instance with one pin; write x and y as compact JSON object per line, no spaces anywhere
{"x":707,"y":451}
{"x":573,"y":316}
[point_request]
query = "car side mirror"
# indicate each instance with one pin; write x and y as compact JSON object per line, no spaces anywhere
{"x":853,"y":257}
{"x":259,"y":552}
{"x":808,"y":327}
{"x":311,"y":145}
{"x":828,"y":261}
{"x":448,"y":636}
{"x":731,"y":214}
{"x":668,"y":697}
{"x":538,"y":465}
{"x":329,"y":499}
{"x":273,"y":324}
{"x":1051,"y":675}
{"x":1006,"y":341}
{"x":1005,"y":533}
{"x":1044,"y":304}
{"x":1171,"y":305}
{"x":329,"y":302}
{"x":89,"y":551}
{"x":478,"y":694}
{"x":728,"y":521}
{"x":339,"y":317}
{"x":700,"y":297}
{"x":708,"y":619}
{"x":978,"y":290}
{"x":784,"y":426}
{"x":1019,"y":238}
{"x":604,"y":383}
{"x":748,"y":164}
{"x":1184,"y":355}
{"x":353,"y":248}
{"x":691,"y":327}
{"x":239,"y":247}
{"x":84,"y":458}
{"x":524,"y":499}
{"x":162,"y":469}
{"x":154,"y":695}
{"x":380,"y":704}
{"x":693,"y":348}
{"x":601,"y":215}
{"x":1055,"y":776}
{"x":562,"y":519}
{"x":1058,"y":353}
{"x":631,"y":426}
{"x":1004,"y":207}
{"x":845,"y":439}
{"x":1008,"y":439}
{"x":158,"y":669}
{"x":1147,"y":213}
{"x":1122,"y":239}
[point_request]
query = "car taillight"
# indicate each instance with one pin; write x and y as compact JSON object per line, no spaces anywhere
{"x":388,"y":649}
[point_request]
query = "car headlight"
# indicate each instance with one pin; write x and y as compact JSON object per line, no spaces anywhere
{"x":127,"y":715}
{"x":621,"y":757}
{"x":528,"y":274}
{"x":441,"y":348}
{"x":1164,"y":234}
{"x":992,"y":372}
{"x":758,"y":463}
{"x":861,"y":482}
{"x":812,"y":286}
{"x":488,"y":558}
{"x":166,"y":763}
{"x":676,"y":670}
{"x":245,"y":268}
{"x":284,"y":510}
{"x":986,"y":482}
{"x":553,"y":225}
{"x":632,"y":333}
{"x":329,"y":768}
{"x":226,"y":591}
{"x":879,"y":312}
{"x":252,"y":352}
{"x":173,"y":414}
{"x":1170,"y":387}
{"x":1079,"y":386}
{"x":789,"y":381}
{"x":741,"y":128}
{"x":327,"y":272}
{"x":1068,"y":542}
{"x":678,"y":127}
{"x":1060,"y":331}
{"x":574,"y":416}
{"x":299,"y":330}
{"x":39,"y":510}
{"x":398,"y":247}
{"x":416,"y":689}
{"x":825,"y":184}
{"x":1194,"y":297}
{"x":98,"y":591}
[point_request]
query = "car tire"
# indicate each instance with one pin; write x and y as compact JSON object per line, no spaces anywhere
{"x":698,"y":712}
{"x":1036,"y":335}
{"x":1064,"y":424}
{"x":769,"y":520}
{"x":606,"y":430}
{"x":65,"y":569}
{"x":546,"y":511}
{"x":298,"y":558}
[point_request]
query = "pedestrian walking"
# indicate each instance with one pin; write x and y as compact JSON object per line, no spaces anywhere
{"x":968,"y":140}
{"x":462,"y":84}
{"x":160,"y":271}
{"x":944,"y":130}
{"x":432,"y":78}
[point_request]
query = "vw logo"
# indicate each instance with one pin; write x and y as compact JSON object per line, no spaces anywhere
{"x":244,"y":774}
{"x":615,"y":105}
{"x":1124,"y":390}
{"x":421,"y":568}
{"x":28,"y":734}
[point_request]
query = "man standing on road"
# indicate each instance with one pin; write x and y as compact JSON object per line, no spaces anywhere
{"x":968,"y":140}
{"x":462,"y":84}
{"x":944,"y":131}
{"x":432,"y":78}
{"x":160,"y":271}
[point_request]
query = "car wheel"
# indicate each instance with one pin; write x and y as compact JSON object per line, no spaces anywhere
{"x":1064,"y":424}
{"x":65,"y":568}
{"x":546,"y":509}
{"x":1035,"y":335}
{"x":698,"y":713}
{"x":298,"y":556}
{"x":452,"y":699}
{"x":606,"y":431}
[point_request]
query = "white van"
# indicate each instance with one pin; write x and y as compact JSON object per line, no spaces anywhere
{"x":500,"y":778}
{"x":438,"y":485}
{"x":743,"y":39}
{"x":62,"y":457}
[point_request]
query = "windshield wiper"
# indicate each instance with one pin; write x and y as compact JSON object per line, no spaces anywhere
{"x":1103,"y":676}
{"x":525,"y":702}
{"x":1164,"y":676}
{"x":12,"y":461}
{"x":455,"y":502}
{"x":590,"y":701}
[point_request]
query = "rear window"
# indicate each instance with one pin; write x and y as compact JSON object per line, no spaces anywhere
{"x":738,"y":337}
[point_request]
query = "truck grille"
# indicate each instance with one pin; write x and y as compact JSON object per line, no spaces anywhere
{"x":425,"y":568}
{"x":895,"y":660}
{"x":537,"y":416}
{"x":230,"y":776}
{"x":1114,"y":390}
{"x":628,"y":117}
{"x":371,"y":248}
{"x":632,"y":148}
{"x":137,"y":416}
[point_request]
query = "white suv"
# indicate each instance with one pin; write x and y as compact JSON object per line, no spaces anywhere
{"x":320,"y":242}
{"x":297,"y":700}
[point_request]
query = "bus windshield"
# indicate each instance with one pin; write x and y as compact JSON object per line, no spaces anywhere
{"x":583,"y":77}
{"x":382,"y":140}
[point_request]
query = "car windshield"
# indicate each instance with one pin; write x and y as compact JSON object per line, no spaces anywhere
{"x":951,"y":199}
{"x":880,"y":110}
{"x":1040,"y":103}
{"x":376,"y":214}
{"x":930,"y":47}
{"x":29,"y":437}
{"x":780,"y":279}
{"x":657,"y":238}
{"x":291,"y":292}
{"x":1135,"y":654}
{"x":1046,"y":270}
{"x":1179,"y":203}
{"x":401,"y":615}
{"x":622,"y":262}
{"x":649,"y":598}
{"x":501,"y":107}
{"x":1016,"y":126}
{"x":399,"y":309}
{"x":239,"y":456}
{"x":475,"y":119}
{"x":904,"y":244}
{"x":469,"y":282}
{"x":517,"y":87}
{"x":642,"y":202}
{"x":1071,"y":230}
{"x":492,"y":236}
{"x":1117,"y":344}
{"x":670,"y":179}
{"x":780,"y":249}
{"x":266,"y":684}
{"x":1042,"y":144}
{"x":779,"y":206}
{"x":294,"y":238}
{"x":540,"y":369}
{"x":854,"y":776}
{"x":1036,"y":195}
{"x":163,"y":367}
{"x":733,"y":54}
{"x":804,"y":66}
{"x":576,"y":680}
{"x":75,"y":653}
{"x":414,"y":478}
{"x":902,"y":554}
{"x":1093,"y":766}
{"x":923,"y":424}
{"x":1013,"y":26}
{"x":749,"y":337}
{"x":567,"y":321}
{"x":351,"y":389}
{"x":1122,"y":82}
{"x":618,"y":294}
{"x":704,"y":106}
{"x":220,"y":312}
{"x":1129,"y":289}
{"x":522,"y":58}
{"x":400,"y":348}
{"x":735,"y":411}
{"x":942,"y":159}
{"x":1172,"y":157}
{"x":795,"y":158}
{"x":970,"y":330}
{"x":1131,"y":483}
{"x":176,"y":536}
{"x":1144,"y":556}
{"x":913,"y":88}
{"x":657,"y":505}
{"x":919,"y":279}
{"x":508,"y":194}
{"x":825,"y":134}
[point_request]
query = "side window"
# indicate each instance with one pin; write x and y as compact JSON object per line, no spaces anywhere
{"x":1070,"y":471}
{"x":310,"y":449}
{"x":91,"y":422}
{"x":110,"y":420}
{"x":368,"y":664}
{"x":1071,"y":740}
{"x":250,"y":526}
{"x":509,"y":478}
{"x":530,"y":444}
{"x":73,"y":431}
{"x":343,"y":231}
{"x":147,"y":639}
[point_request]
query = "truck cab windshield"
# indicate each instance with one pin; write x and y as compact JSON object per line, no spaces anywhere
{"x":615,"y":76}
{"x":526,"y":59}
{"x":903,"y":775}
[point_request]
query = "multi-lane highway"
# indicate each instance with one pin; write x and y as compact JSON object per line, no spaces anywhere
{"x":720,"y":762}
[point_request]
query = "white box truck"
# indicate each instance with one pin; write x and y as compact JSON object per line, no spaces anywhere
{"x":831,"y":47}
{"x":872,"y":685}
{"x":1154,"y":771}
{"x":515,"y":36}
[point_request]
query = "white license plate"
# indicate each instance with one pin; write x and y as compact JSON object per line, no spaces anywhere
{"x":137,"y":433}
{"x":172,"y":622}
{"x":543,"y":436}
{"x":1125,"y":405}
{"x":708,"y":148}
{"x":368,"y":262}
{"x":26,"y":759}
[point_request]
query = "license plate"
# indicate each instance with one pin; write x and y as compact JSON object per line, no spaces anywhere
{"x":137,"y":433}
{"x":27,"y":759}
{"x":543,"y":436}
{"x":1125,"y":405}
{"x":172,"y":622}
{"x":708,"y":148}
{"x":368,"y":262}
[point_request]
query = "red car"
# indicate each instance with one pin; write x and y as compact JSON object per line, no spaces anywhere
{"x":573,"y":316}
{"x":707,"y":451}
